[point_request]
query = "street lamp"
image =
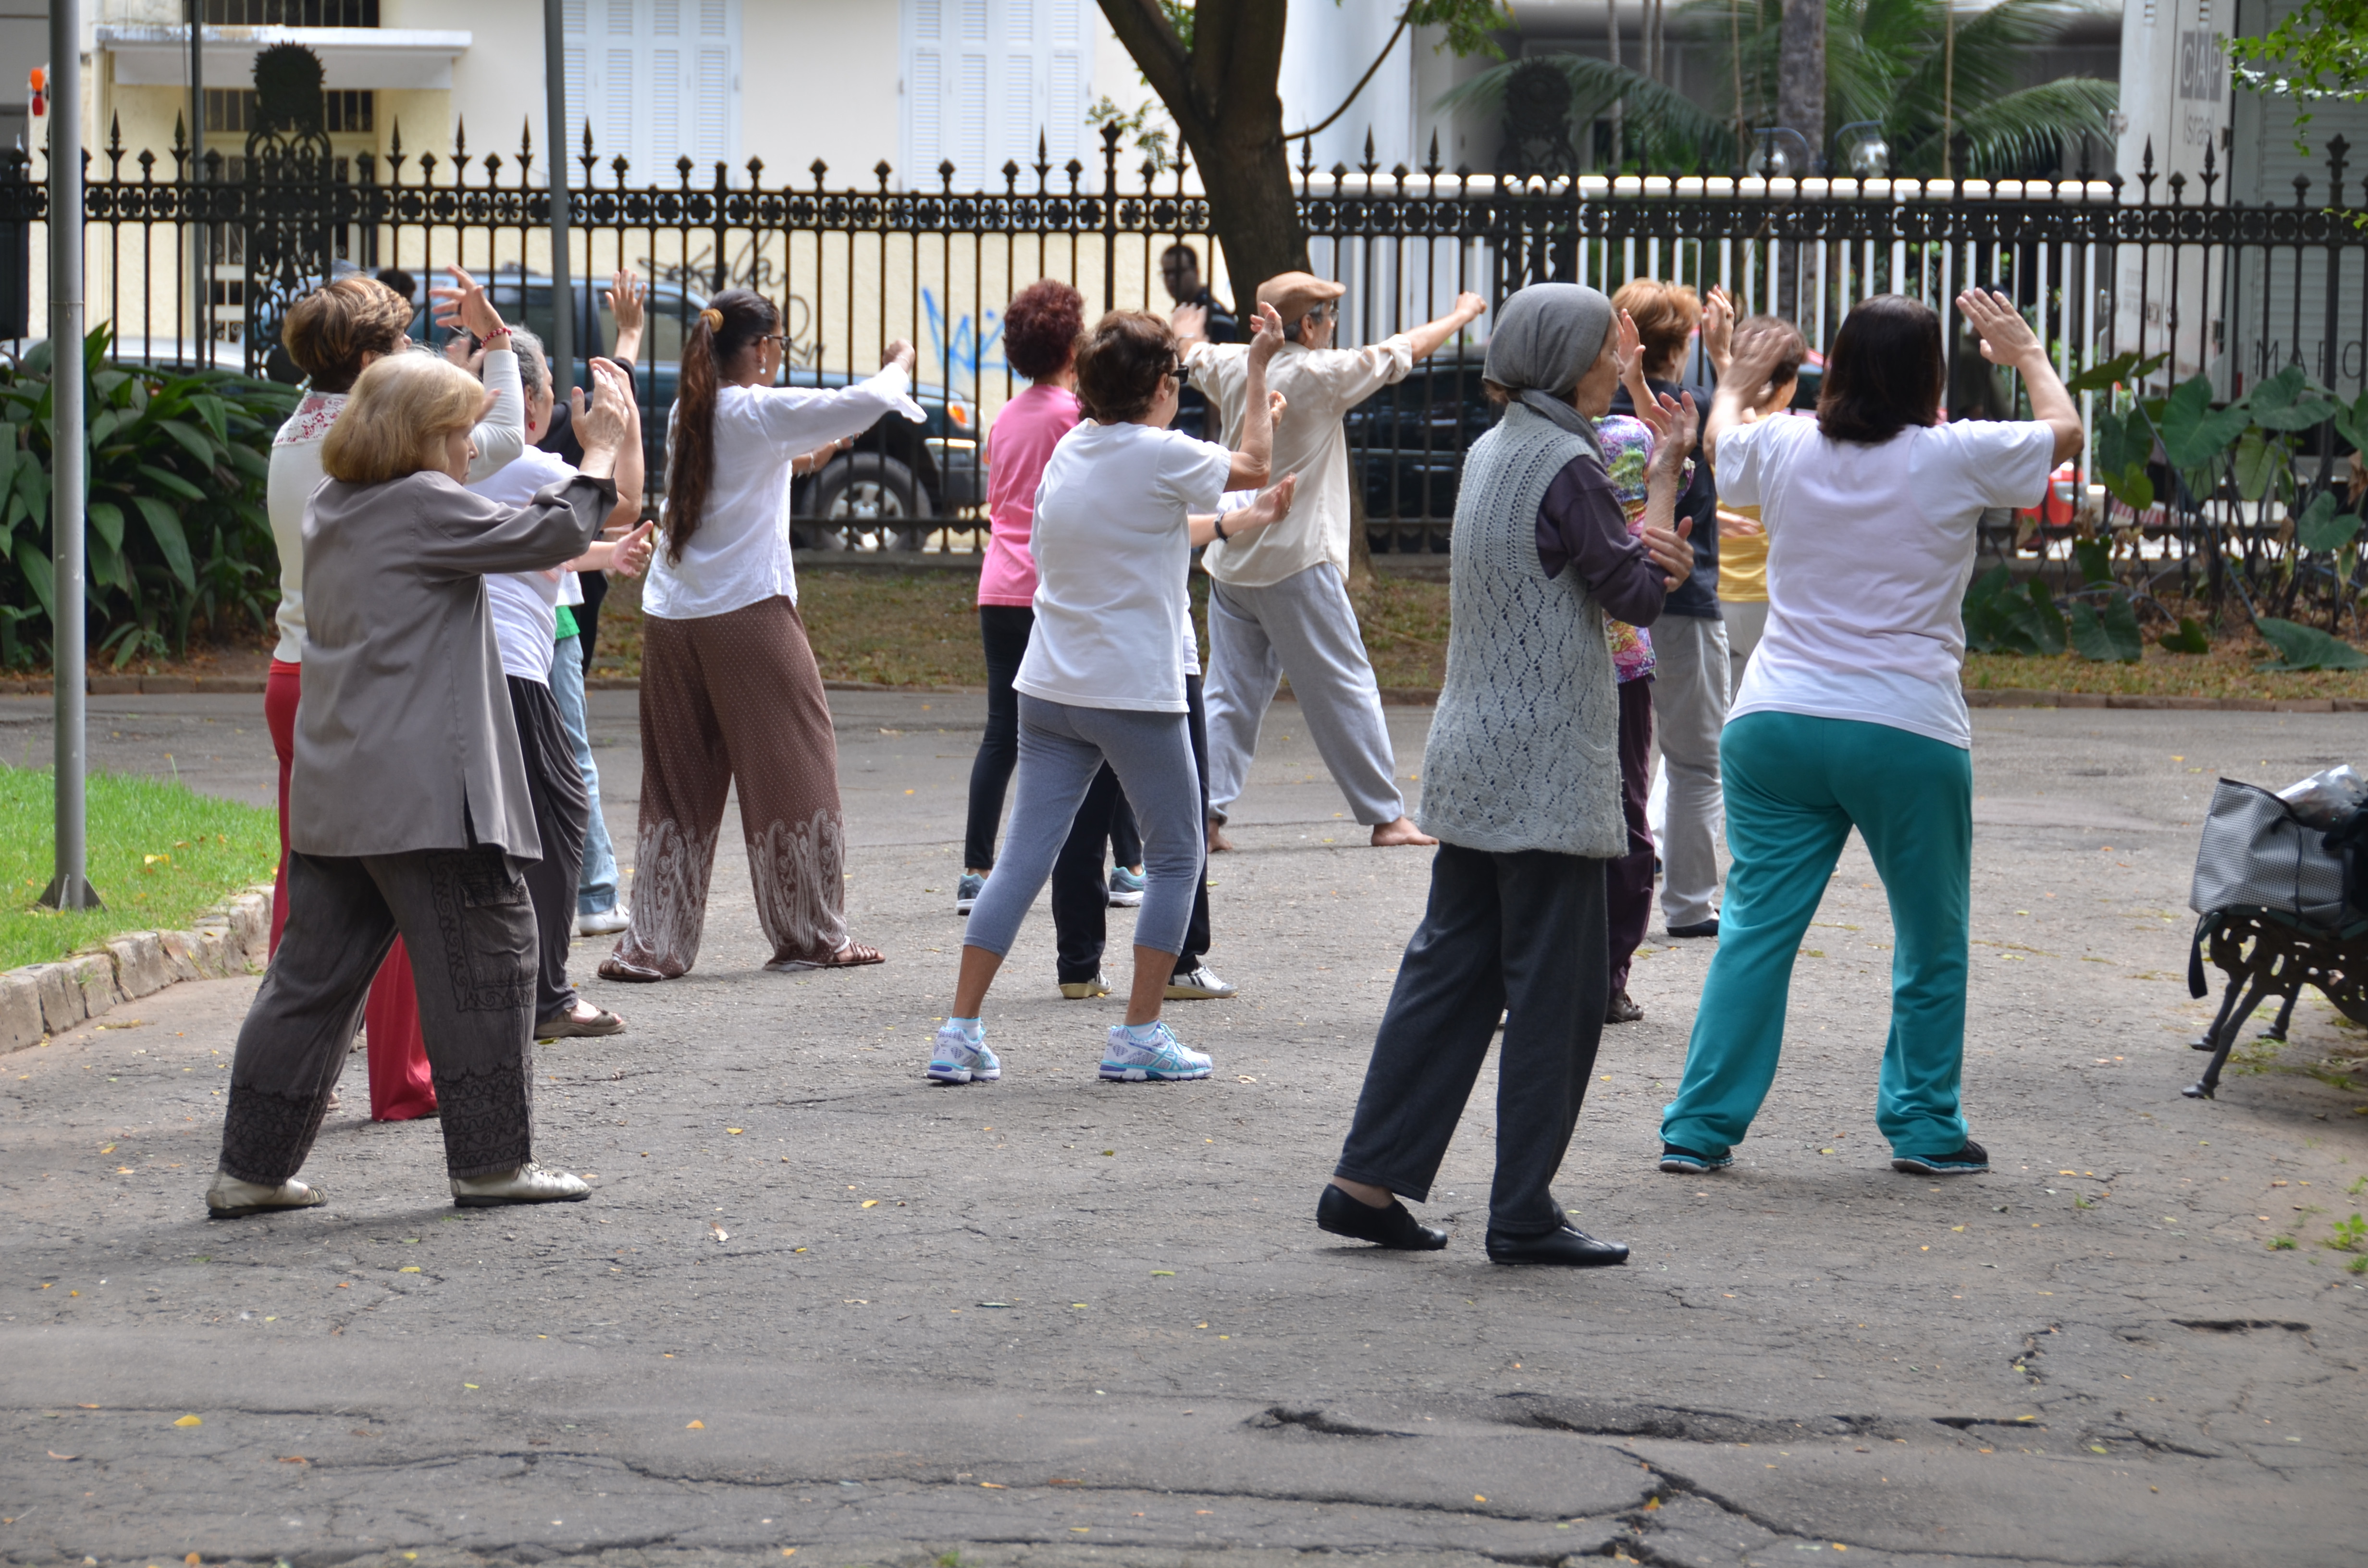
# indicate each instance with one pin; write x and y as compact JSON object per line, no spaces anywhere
{"x":1862,"y":149}
{"x":1773,"y":158}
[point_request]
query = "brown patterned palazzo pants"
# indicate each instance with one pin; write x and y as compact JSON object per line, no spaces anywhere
{"x":726,"y":699}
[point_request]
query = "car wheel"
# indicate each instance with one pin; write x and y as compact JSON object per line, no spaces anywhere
{"x":866,"y":493}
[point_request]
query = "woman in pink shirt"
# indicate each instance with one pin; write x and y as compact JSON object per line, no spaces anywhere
{"x":1040,"y":341}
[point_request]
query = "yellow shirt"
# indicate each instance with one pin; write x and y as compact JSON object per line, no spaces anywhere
{"x":1743,"y":562}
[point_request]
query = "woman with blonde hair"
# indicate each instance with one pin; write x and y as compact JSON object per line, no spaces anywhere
{"x":334,"y":334}
{"x":408,"y":809}
{"x":730,"y":692}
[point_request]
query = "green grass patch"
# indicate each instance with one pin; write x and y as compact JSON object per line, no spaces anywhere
{"x":161,"y":855}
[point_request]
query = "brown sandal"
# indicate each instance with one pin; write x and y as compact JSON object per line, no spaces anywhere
{"x":855,"y":955}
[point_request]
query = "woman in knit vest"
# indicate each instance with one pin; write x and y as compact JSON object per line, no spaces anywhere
{"x":1522,"y":787}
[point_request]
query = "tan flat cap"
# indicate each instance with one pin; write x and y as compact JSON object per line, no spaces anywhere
{"x":1293,"y":294}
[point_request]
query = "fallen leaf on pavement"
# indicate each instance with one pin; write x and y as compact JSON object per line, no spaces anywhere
{"x":721,"y":1233}
{"x":55,"y":1455}
{"x":696,"y":1426}
{"x":993,"y":1485}
{"x":870,"y":1202}
{"x":190,"y":1421}
{"x":294,"y":1459}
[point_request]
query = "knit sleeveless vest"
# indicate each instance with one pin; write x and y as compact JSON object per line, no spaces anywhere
{"x":1524,"y":749}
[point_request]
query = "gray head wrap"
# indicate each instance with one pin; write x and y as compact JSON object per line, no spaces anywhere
{"x":1545,"y":338}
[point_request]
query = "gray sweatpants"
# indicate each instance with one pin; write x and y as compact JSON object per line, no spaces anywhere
{"x":1690,"y":702}
{"x":1302,"y":627}
{"x":1060,"y":749}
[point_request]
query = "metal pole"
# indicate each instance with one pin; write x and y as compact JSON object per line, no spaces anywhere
{"x":200,"y":293}
{"x":563,"y":290}
{"x":70,"y":888}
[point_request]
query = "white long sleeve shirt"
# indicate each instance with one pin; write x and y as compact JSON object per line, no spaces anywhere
{"x":296,"y":473}
{"x":739,"y":553}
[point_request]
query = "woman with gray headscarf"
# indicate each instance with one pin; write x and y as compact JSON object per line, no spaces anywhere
{"x":1522,"y":787}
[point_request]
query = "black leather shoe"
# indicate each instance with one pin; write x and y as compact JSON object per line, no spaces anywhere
{"x":1699,"y":928}
{"x":1392,"y":1227}
{"x":1570,"y":1246}
{"x":1622,"y":1009}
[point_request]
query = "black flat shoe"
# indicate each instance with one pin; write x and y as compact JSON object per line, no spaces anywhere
{"x":1342,"y":1215}
{"x":1971,"y":1159}
{"x":1622,"y":1009}
{"x":1699,"y":928}
{"x":1570,"y":1247}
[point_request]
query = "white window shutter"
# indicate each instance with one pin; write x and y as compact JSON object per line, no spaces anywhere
{"x":665,"y":111}
{"x":969,"y":152}
{"x":715,"y":77}
{"x":926,"y":103}
{"x":618,"y":94}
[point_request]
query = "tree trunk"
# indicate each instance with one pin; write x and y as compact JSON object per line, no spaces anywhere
{"x":1800,"y":74}
{"x":1221,"y":93}
{"x":1245,"y":169}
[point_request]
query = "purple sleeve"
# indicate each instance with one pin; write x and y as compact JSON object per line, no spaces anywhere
{"x":1580,"y":524}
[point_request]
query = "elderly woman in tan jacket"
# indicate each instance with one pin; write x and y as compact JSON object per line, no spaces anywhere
{"x":409,"y":812}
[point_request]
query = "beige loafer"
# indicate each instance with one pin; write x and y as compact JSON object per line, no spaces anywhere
{"x":530,"y":1183}
{"x":227,"y":1198}
{"x":567,"y":1025}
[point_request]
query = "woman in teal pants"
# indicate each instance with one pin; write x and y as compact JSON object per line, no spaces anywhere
{"x":1852,"y":713}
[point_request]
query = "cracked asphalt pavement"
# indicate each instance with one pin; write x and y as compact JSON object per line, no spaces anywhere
{"x":818,"y":1307}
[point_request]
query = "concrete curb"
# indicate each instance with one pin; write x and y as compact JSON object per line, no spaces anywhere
{"x":2024,"y":697}
{"x":43,"y":999}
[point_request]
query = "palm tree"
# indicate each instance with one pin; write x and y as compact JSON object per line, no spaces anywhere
{"x":1890,"y":62}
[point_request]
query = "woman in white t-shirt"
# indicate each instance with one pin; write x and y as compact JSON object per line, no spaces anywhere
{"x":525,"y":608}
{"x":1852,"y":713}
{"x":1103,"y":677}
{"x":730,"y":692}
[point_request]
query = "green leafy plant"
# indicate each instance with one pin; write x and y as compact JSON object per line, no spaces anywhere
{"x":2282,"y":1243}
{"x":2189,"y":638}
{"x":2306,"y":647}
{"x":176,"y":530}
{"x":2348,"y":1235}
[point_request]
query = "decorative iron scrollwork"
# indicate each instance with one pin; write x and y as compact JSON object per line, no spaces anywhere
{"x":291,"y":173}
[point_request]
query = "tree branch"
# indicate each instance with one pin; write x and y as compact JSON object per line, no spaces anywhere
{"x":1325,"y":123}
{"x":1160,"y":55}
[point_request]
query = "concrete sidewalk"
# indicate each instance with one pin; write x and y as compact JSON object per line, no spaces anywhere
{"x":818,"y":1304}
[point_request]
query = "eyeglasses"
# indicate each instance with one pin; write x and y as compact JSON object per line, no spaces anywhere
{"x":781,"y":338}
{"x":1181,"y":371}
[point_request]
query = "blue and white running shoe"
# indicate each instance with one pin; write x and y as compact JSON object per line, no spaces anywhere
{"x":966,"y":891}
{"x":959,"y":1057}
{"x":1151,"y":1053}
{"x":1126,"y":887}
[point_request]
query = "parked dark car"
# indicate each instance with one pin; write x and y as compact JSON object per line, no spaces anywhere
{"x":893,"y":486}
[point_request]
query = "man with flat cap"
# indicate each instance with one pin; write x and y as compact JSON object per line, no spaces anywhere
{"x":1279,"y":604}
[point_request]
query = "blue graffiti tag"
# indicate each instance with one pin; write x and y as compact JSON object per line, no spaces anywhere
{"x":959,"y":352}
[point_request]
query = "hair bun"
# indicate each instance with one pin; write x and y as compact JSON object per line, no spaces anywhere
{"x":711,"y":319}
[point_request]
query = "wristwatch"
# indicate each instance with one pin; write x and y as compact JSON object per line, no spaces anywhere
{"x":1218,"y":523}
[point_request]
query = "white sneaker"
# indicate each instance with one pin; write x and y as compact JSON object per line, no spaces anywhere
{"x":955,"y":1058}
{"x":1199,"y":984}
{"x":1161,"y":1059}
{"x":530,"y":1183}
{"x":604,"y":923}
{"x":227,"y":1198}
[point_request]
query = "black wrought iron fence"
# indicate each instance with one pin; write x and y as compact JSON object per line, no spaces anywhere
{"x":198,"y":264}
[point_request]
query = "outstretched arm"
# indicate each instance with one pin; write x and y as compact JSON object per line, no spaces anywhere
{"x":1431,"y":336}
{"x":1255,"y":454}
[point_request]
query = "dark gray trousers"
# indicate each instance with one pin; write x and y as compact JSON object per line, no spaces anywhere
{"x":563,"y":816}
{"x":466,"y":917}
{"x":1520,"y":933}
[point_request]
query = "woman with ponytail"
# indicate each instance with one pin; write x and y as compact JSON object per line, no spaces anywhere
{"x":730,"y":693}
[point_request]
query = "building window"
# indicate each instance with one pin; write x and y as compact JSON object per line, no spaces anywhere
{"x":291,"y":13}
{"x":231,"y":110}
{"x":660,"y":81}
{"x":984,"y":79}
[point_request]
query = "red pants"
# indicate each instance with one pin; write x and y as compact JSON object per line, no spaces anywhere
{"x":399,"y":1087}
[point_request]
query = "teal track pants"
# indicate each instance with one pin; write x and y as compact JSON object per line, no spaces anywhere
{"x":1795,"y":787}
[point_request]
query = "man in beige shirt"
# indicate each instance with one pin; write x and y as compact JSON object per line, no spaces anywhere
{"x":1279,"y":604}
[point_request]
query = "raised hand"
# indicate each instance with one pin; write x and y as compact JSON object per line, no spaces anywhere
{"x":900,"y":352}
{"x":609,"y":421}
{"x":1189,"y":323}
{"x":1673,"y":421}
{"x":1471,"y":306}
{"x":1718,"y":330}
{"x":1266,"y":335}
{"x":463,"y":302}
{"x":1669,"y":550}
{"x":2007,"y":338}
{"x":625,"y":296}
{"x":1752,"y":367}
